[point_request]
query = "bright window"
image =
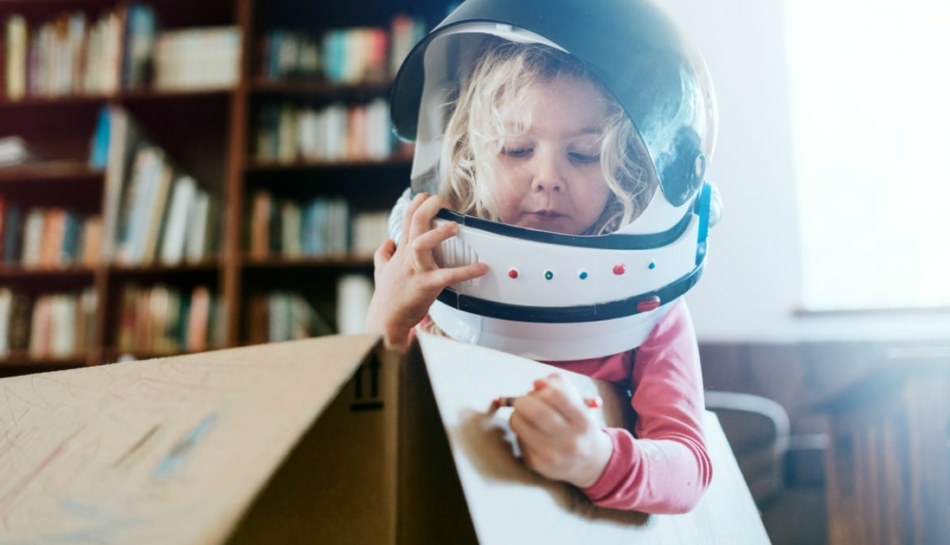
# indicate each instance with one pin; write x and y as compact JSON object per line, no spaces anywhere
{"x":871,"y":117}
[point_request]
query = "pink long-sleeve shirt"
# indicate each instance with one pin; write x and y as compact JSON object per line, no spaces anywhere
{"x":663,"y":467}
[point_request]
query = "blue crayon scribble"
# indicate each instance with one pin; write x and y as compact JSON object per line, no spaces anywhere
{"x":102,"y":527}
{"x":174,"y":462}
{"x":83,"y":510}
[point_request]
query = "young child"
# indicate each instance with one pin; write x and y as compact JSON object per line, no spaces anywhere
{"x":534,"y":139}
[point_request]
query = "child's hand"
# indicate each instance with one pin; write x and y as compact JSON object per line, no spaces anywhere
{"x":408,"y":280}
{"x":557,"y":435}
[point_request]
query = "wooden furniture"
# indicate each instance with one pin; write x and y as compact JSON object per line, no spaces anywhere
{"x":210,"y":134}
{"x":888,"y":461}
{"x":301,"y":442}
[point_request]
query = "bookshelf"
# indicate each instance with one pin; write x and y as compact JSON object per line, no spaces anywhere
{"x":210,"y":132}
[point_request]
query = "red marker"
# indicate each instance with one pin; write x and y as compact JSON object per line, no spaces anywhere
{"x":593,"y":402}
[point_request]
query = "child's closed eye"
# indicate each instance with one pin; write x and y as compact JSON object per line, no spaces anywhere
{"x":517,"y":151}
{"x":584,"y":158}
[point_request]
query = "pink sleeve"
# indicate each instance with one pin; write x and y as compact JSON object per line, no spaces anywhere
{"x":666,"y":468}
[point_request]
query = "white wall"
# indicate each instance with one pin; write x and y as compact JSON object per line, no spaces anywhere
{"x":752,"y":282}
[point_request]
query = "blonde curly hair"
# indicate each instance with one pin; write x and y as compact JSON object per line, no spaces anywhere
{"x":476,"y":133}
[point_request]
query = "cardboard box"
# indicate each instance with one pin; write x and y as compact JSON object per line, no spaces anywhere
{"x":328,"y":440}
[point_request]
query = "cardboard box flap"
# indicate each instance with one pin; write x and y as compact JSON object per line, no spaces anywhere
{"x":162,"y":451}
{"x":327,"y":440}
{"x":508,"y":503}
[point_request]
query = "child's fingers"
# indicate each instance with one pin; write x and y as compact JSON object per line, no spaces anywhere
{"x":422,"y":218}
{"x":430,"y":240}
{"x":384,"y":253}
{"x":447,"y":277}
{"x":533,"y":443}
{"x":561,"y":397}
{"x":414,"y":205}
{"x":536,"y":413}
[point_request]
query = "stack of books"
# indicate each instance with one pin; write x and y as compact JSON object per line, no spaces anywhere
{"x":283,"y":316}
{"x":72,"y":55}
{"x":345,"y":56}
{"x":48,"y":237}
{"x":198,"y":58}
{"x":163,"y":320}
{"x":154,"y":212}
{"x":49,"y":326}
{"x":291,"y":229}
{"x":287,"y":133}
{"x":121,"y":49}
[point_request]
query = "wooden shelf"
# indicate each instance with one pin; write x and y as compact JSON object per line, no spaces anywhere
{"x":397,"y":161}
{"x":278,"y":262}
{"x":25,"y":360}
{"x":159,"y":268}
{"x":44,"y":101}
{"x":320,"y":87}
{"x":123,"y":96}
{"x":57,"y":171}
{"x":19,"y":273}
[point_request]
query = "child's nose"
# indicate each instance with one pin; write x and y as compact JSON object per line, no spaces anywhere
{"x":547,"y":175}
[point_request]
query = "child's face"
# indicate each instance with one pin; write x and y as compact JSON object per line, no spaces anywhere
{"x":550,"y":176}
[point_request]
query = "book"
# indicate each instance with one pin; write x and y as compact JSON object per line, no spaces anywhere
{"x":260,"y":224}
{"x":142,"y":326}
{"x":89,"y":303}
{"x":4,"y":210}
{"x":139,"y":45}
{"x":156,"y":213}
{"x":135,"y":202}
{"x":354,"y":292}
{"x":370,"y":229}
{"x":112,"y":51}
{"x":278,"y":314}
{"x":53,"y":234}
{"x":198,"y":319}
{"x":290,"y":229}
{"x":32,"y":238}
{"x":39,"y":346}
{"x":156,"y":318}
{"x":301,"y":317}
{"x":379,"y":131}
{"x":12,"y":233}
{"x":85,"y":320}
{"x":62,"y":325}
{"x":99,"y":146}
{"x":171,"y":334}
{"x":72,"y":231}
{"x":356,"y":134}
{"x":200,"y":227}
{"x":20,"y":322}
{"x":16,"y":45}
{"x":6,"y":308}
{"x":173,"y":242}
{"x":198,"y":58}
{"x":124,"y":138}
{"x":91,"y":241}
{"x":405,"y":32}
{"x":287,"y":134}
{"x":127,"y":318}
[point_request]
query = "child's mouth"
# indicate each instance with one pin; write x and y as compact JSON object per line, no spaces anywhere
{"x":545,"y":220}
{"x":547,"y":214}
